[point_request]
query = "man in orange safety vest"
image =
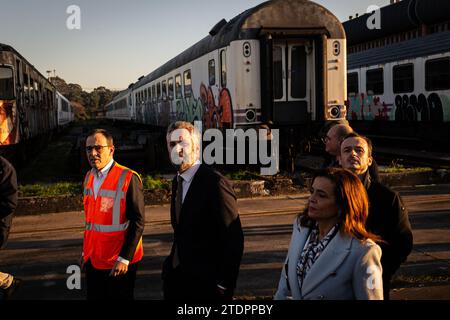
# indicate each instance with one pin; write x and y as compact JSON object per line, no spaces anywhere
{"x":114,"y":213}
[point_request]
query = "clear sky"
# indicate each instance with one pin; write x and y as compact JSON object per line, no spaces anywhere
{"x":121,"y":40}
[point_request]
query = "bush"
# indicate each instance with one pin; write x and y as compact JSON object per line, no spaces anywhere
{"x":55,"y":189}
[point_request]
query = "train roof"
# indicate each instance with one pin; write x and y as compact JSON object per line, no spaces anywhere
{"x":423,"y":46}
{"x":5,"y":47}
{"x":270,"y":16}
{"x":396,"y":18}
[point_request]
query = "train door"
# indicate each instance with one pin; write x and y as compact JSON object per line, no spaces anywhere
{"x":292,"y":68}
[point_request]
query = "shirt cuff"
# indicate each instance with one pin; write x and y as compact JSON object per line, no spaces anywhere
{"x":124,"y":261}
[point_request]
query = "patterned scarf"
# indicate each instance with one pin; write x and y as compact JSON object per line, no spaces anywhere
{"x":312,"y":251}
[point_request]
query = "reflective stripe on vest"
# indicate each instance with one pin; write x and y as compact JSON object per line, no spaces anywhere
{"x":117,"y":195}
{"x":107,"y":228}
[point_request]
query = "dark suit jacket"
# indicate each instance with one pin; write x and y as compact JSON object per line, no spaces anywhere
{"x":388,"y":218}
{"x":209,"y":235}
{"x":8,"y":198}
{"x":135,"y":213}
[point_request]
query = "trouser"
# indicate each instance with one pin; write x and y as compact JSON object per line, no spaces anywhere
{"x":101,"y":286}
{"x":5,"y":280}
{"x":180,"y":286}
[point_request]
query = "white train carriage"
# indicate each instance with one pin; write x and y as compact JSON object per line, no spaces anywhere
{"x":401,"y":72}
{"x":120,"y":108}
{"x":65,"y":110}
{"x":282,"y":63}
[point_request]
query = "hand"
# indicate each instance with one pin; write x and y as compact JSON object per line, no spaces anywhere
{"x":81,"y":262}
{"x":119,"y":269}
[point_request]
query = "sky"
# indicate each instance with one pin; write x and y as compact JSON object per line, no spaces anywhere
{"x":119,"y":40}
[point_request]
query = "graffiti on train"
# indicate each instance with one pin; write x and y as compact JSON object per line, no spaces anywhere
{"x":368,"y":107}
{"x":204,"y":108}
{"x":8,"y":123}
{"x":216,"y":115}
{"x":189,"y":109}
{"x":420,"y":108}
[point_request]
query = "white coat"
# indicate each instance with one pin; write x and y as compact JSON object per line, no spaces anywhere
{"x":347,"y":269}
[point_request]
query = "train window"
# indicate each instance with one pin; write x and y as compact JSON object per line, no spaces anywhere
{"x":145,"y":95}
{"x":187,"y":84}
{"x":223,"y":68}
{"x":136,"y":97}
{"x":212,"y":72}
{"x":6,"y":83}
{"x":403,"y":78}
{"x":277,"y":73}
{"x":437,"y":74}
{"x":374,"y":81}
{"x":18,"y":71}
{"x":352,"y":83}
{"x":170,"y":82}
{"x":178,"y":86}
{"x":158,"y":91}
{"x":154,"y":93}
{"x":149,"y":93}
{"x":164,"y":90}
{"x":298,"y":72}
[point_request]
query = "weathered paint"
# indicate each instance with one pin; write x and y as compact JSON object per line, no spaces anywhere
{"x":368,"y":107}
{"x":9,"y":128}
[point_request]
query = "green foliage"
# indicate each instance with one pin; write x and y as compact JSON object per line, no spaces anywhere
{"x":49,"y":190}
{"x":396,"y":167}
{"x":154,"y":182}
{"x":86,"y":104}
{"x":75,"y":188}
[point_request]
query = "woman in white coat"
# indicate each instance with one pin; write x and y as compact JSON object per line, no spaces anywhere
{"x":331,"y":255}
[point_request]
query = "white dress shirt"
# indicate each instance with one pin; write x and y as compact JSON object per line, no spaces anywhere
{"x":99,"y":176}
{"x":187,"y":176}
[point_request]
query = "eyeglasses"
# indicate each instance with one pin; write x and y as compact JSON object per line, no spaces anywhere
{"x":97,"y":148}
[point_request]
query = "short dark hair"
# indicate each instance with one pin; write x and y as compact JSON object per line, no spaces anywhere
{"x":105,"y":133}
{"x":356,"y":135}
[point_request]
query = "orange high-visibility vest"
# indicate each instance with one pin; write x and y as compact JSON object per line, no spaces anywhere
{"x":106,"y":222}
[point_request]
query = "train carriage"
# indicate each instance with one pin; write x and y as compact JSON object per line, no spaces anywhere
{"x":399,"y":75}
{"x":65,"y":110}
{"x":28,"y":106}
{"x":281,"y":63}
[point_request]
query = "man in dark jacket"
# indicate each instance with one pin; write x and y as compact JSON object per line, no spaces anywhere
{"x":335,"y":132}
{"x":8,"y":203}
{"x":388,"y":216}
{"x":204,"y":261}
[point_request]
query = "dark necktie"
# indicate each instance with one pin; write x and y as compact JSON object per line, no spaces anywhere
{"x":178,"y":204}
{"x":179,"y":198}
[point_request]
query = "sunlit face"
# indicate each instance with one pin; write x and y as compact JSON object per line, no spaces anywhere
{"x":182,"y":151}
{"x":355,"y":155}
{"x":322,"y":202}
{"x":98,"y":152}
{"x":332,"y":142}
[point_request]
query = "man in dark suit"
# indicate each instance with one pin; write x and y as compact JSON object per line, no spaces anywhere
{"x":208,"y":244}
{"x":388,"y":216}
{"x":114,"y":209}
{"x":8,"y":204}
{"x":335,"y":132}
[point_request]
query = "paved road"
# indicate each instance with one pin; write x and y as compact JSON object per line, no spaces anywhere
{"x":42,"y":247}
